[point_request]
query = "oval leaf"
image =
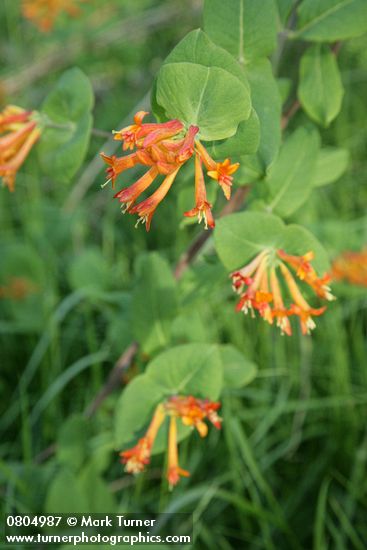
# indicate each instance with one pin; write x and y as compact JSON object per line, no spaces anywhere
{"x":267,"y":104}
{"x":331,"y":20}
{"x":320,"y":88}
{"x":237,"y":370}
{"x":62,"y":149}
{"x":290,"y":177}
{"x":154,"y":304}
{"x":330,"y":165}
{"x":71,"y":447}
{"x":241,"y":27}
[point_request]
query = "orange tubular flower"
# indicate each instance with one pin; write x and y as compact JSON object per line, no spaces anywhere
{"x":351,"y":267}
{"x":138,"y":457}
{"x":192,"y":412}
{"x":146,"y":208}
{"x":174,"y":472}
{"x":305,"y":271}
{"x":164,"y":148}
{"x":219,"y":171}
{"x":18,"y":134}
{"x":43,"y":13}
{"x":202,"y":207}
{"x":252,"y":284}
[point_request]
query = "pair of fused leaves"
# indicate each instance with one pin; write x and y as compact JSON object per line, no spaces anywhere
{"x":202,"y":83}
{"x":66,"y":115}
{"x":201,"y":370}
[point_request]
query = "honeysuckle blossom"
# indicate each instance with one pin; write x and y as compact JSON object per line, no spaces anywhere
{"x":202,"y":207}
{"x":43,"y":13}
{"x":138,"y":457}
{"x":351,"y":267}
{"x":192,"y":412}
{"x":164,"y":148}
{"x":18,"y":133}
{"x":174,"y":471}
{"x":260,"y":289}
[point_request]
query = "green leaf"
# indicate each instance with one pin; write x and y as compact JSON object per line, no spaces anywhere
{"x":290,"y":177}
{"x":72,"y":442}
{"x":154,"y":303}
{"x":250,"y":170}
{"x":191,"y":369}
{"x":285,"y":87}
{"x":237,"y":370}
{"x":267,"y":104}
{"x":100,"y":449}
{"x":320,"y":89}
{"x":330,"y":165}
{"x":135,"y":408}
{"x":89,"y":271}
{"x":62,"y":149}
{"x":240,"y":237}
{"x":331,"y":20}
{"x":197,"y":48}
{"x":285,"y":8}
{"x":191,"y":326}
{"x":65,"y":495}
{"x":241,"y":27}
{"x":208,"y":97}
{"x":100,"y":498}
{"x":244,"y":142}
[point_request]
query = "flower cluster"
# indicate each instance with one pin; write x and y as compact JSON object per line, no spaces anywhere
{"x":261,"y":290}
{"x":351,"y":267}
{"x":164,"y":148}
{"x":18,"y":134}
{"x":192,"y":412}
{"x":43,"y":13}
